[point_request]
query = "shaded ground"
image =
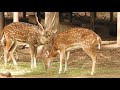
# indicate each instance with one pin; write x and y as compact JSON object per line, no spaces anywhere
{"x":79,"y":64}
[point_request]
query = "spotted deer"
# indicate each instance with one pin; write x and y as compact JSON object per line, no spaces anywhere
{"x":21,"y":33}
{"x":74,"y":38}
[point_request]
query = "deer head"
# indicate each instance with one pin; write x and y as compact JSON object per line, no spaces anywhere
{"x":49,"y":31}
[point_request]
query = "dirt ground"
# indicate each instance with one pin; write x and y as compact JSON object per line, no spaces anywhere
{"x":108,"y":57}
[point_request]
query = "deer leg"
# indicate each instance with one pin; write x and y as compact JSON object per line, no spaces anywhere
{"x":16,"y":54}
{"x":62,"y":53}
{"x":12,"y":49}
{"x":92,"y":53}
{"x":7,"y":47}
{"x":66,"y":59}
{"x":11,"y":57}
{"x":33,"y":58}
{"x":35,"y":54}
{"x":93,"y":65}
{"x":5,"y":55}
{"x":13,"y":54}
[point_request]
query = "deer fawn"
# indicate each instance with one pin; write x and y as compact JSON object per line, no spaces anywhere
{"x":72,"y":39}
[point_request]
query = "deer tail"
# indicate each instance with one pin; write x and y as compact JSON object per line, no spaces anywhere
{"x":99,"y":42}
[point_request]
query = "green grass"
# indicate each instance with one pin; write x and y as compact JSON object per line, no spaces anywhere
{"x":23,"y":70}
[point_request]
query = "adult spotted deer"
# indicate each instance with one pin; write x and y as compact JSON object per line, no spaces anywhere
{"x":20,"y":33}
{"x":74,"y":38}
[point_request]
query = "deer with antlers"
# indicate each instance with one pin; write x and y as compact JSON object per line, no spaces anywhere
{"x":72,"y":39}
{"x":21,"y":33}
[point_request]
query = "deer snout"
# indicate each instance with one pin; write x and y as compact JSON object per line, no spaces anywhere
{"x":47,"y":64}
{"x":47,"y":42}
{"x":46,"y":68}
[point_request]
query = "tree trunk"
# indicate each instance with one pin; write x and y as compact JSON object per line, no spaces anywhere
{"x":92,"y":14}
{"x":60,"y":16}
{"x":24,"y":14}
{"x":15,"y":17}
{"x":2,"y":20}
{"x":118,"y":29}
{"x":70,"y":17}
{"x":49,"y":20}
{"x":111,"y":16}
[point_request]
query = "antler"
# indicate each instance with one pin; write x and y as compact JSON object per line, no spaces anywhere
{"x":38,"y":22}
{"x":52,"y":22}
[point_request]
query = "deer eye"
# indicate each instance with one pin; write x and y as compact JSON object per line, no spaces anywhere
{"x":49,"y":35}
